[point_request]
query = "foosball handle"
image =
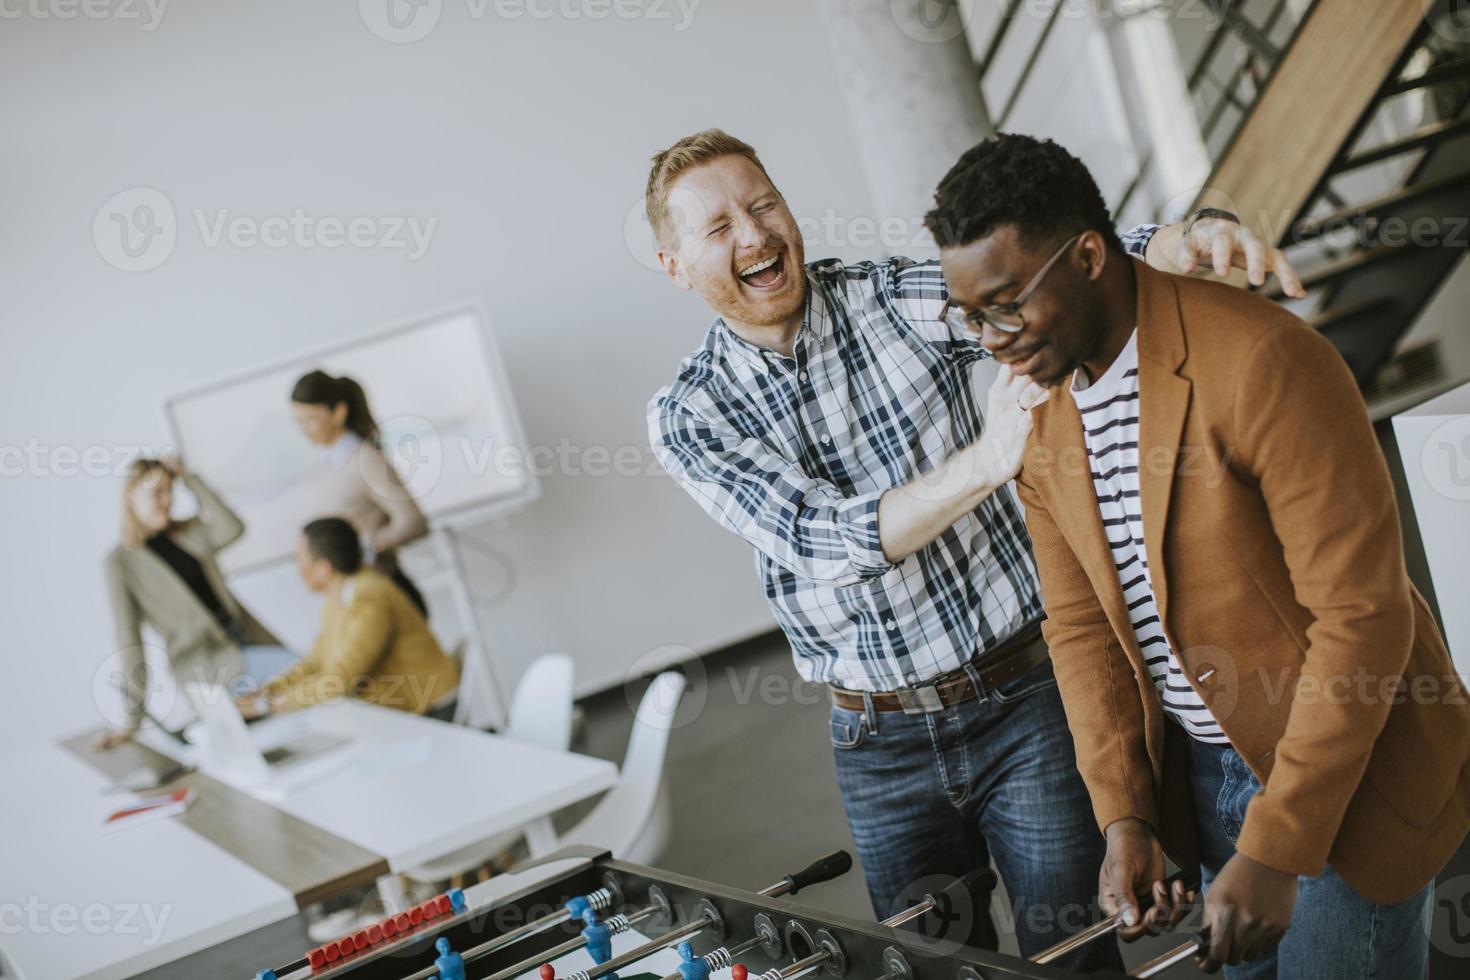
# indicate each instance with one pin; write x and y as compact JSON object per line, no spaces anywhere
{"x":963,"y":891}
{"x":834,"y":865}
{"x":739,"y":972}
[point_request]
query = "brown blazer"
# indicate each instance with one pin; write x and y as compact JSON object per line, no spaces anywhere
{"x":143,"y":588}
{"x":1277,"y":563}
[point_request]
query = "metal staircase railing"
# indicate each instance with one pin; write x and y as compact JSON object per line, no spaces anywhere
{"x":1390,"y":217}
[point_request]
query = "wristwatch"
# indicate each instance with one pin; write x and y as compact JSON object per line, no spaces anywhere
{"x":1208,"y":213}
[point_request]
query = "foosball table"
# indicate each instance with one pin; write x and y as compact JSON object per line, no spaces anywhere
{"x":580,"y":915}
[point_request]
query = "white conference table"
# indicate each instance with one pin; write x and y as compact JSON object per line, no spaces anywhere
{"x":408,"y":790}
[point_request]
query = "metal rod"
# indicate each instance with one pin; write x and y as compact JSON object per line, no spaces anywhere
{"x":1103,"y":926}
{"x":981,"y":880}
{"x":546,"y":956}
{"x":724,"y":956}
{"x":1031,"y":59}
{"x":828,"y":867}
{"x":633,"y":955}
{"x":521,"y":932}
{"x":1007,"y":17}
{"x":799,"y":968}
{"x":570,"y":946}
{"x":1178,"y":954}
{"x":908,"y":915}
{"x":1095,"y":931}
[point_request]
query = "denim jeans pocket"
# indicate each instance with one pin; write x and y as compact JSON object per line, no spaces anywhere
{"x":849,"y":729}
{"x":1038,"y":678}
{"x":1237,"y":786}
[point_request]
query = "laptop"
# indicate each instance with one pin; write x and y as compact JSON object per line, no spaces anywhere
{"x":277,"y":754}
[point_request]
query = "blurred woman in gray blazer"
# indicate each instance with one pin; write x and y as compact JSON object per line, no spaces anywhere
{"x":163,"y":573}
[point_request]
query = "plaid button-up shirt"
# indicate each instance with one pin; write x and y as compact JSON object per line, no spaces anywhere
{"x":793,"y":453}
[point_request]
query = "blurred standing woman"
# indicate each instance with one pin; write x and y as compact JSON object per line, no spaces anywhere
{"x":354,"y":480}
{"x":163,"y":573}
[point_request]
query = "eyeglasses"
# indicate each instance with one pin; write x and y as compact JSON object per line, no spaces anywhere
{"x":1006,"y":317}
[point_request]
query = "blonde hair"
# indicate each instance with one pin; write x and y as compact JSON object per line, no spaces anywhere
{"x":688,"y":153}
{"x":133,"y":531}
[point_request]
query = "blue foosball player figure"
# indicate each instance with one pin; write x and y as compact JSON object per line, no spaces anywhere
{"x":449,"y":963}
{"x":598,"y":936}
{"x":599,"y":940}
{"x":693,"y":967}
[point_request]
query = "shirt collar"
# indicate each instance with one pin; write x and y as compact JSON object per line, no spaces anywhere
{"x":815,"y":325}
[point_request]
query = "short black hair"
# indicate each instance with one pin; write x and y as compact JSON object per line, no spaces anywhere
{"x":334,"y":539}
{"x":1034,"y":185}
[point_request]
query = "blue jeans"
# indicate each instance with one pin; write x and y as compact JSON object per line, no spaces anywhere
{"x":1335,"y":932}
{"x":927,"y":795}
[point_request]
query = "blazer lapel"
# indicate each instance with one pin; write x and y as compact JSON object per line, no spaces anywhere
{"x":1078,"y":511}
{"x":1163,"y":400}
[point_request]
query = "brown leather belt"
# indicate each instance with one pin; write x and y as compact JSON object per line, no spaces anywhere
{"x":1005,"y":663}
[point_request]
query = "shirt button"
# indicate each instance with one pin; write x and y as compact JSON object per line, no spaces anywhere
{"x":890,"y":626}
{"x":826,"y":439}
{"x":802,"y":376}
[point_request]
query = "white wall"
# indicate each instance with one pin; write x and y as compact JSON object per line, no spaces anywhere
{"x":527,"y":139}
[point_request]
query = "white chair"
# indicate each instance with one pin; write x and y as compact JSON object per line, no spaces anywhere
{"x":540,"y":714}
{"x":633,"y":820}
{"x":541,"y":710}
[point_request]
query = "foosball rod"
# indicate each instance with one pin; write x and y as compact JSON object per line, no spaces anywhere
{"x":1178,"y":954}
{"x":595,"y":900}
{"x":1097,"y":930}
{"x":834,"y":865}
{"x":791,"y":971}
{"x":958,"y":890}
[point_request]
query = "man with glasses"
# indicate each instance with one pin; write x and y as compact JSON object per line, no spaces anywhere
{"x":830,"y":421}
{"x":1252,"y":683}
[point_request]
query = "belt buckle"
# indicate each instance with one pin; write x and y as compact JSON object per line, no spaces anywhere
{"x":920,"y":700}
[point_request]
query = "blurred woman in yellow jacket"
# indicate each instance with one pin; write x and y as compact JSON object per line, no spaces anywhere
{"x":374,"y":643}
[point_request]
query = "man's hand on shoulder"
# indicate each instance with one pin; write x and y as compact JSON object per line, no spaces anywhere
{"x":1001,"y":447}
{"x":914,"y":514}
{"x":1221,"y":244}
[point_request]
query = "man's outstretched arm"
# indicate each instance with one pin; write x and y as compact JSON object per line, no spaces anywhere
{"x":807,"y":525}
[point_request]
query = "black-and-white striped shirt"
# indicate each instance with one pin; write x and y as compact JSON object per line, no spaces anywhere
{"x":1109,"y":408}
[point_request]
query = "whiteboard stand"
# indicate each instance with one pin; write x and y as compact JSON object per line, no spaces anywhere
{"x":481,"y":702}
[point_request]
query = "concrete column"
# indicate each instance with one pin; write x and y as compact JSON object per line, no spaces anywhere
{"x":912,"y":91}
